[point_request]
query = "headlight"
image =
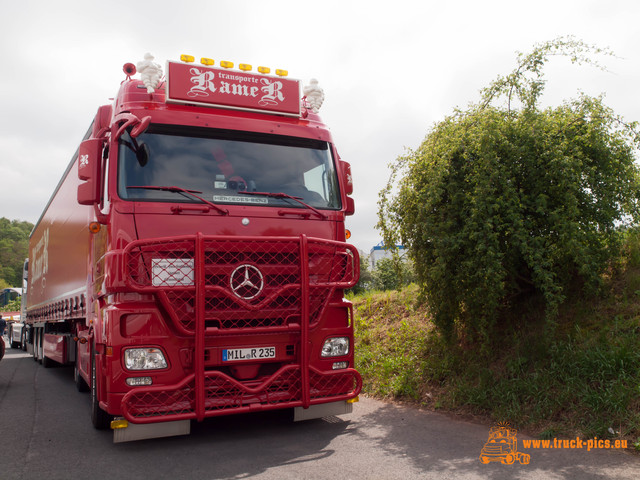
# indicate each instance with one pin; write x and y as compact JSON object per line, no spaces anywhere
{"x":144,"y":359}
{"x":335,"y":347}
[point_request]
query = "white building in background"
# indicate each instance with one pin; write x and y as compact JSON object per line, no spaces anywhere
{"x":380,"y":251}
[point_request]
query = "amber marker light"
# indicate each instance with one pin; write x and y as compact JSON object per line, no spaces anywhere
{"x":347,"y":234}
{"x":245,"y":67}
{"x":120,"y":423}
{"x":282,"y":73}
{"x":188,"y":58}
{"x":264,"y":70}
{"x":94,"y":227}
{"x":207,"y":61}
{"x":225,"y":64}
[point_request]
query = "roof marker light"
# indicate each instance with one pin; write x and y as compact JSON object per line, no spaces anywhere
{"x":245,"y":67}
{"x":225,"y":64}
{"x":264,"y":70}
{"x":207,"y":61}
{"x":282,"y":73}
{"x":187,"y":58}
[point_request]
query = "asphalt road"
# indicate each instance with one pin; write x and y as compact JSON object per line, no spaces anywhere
{"x":45,"y":432}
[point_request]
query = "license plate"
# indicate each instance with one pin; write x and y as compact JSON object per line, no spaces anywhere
{"x":256,"y":353}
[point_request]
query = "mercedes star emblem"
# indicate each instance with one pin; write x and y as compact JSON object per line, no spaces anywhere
{"x":246,"y":282}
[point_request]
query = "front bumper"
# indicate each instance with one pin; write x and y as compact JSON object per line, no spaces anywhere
{"x":225,"y":395}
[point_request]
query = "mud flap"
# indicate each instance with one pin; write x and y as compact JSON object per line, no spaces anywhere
{"x":143,"y":431}
{"x":322,"y":410}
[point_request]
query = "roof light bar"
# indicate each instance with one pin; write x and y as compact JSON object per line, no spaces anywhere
{"x":245,"y":67}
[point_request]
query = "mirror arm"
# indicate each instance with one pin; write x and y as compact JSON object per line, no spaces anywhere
{"x":130,"y":120}
{"x":101,"y":218}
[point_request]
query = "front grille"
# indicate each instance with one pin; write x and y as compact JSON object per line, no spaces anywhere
{"x":209,"y":285}
{"x":247,"y":282}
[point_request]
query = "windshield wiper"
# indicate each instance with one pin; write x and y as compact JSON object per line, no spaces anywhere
{"x":289,"y":197}
{"x":184,"y":191}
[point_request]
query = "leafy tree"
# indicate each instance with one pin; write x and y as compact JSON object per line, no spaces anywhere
{"x":506,"y":199}
{"x":391,"y":274}
{"x":14,"y":248}
{"x":12,"y":306}
{"x":366,"y":279}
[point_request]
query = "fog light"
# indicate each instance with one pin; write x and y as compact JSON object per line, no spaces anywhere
{"x":139,"y":381}
{"x":340,"y":365}
{"x":335,"y":347}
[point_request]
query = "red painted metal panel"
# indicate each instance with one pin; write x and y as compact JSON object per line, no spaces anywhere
{"x":59,"y":251}
{"x":55,"y":347}
{"x":197,"y":84}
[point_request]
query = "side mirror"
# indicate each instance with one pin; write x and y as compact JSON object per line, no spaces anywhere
{"x":347,"y":179}
{"x":89,"y":156}
{"x":350,"y":206}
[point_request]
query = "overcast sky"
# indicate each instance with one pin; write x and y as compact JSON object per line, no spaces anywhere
{"x":389,"y":70}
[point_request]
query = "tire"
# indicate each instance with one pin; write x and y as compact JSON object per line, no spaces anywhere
{"x":101,"y":420}
{"x":40,"y":356}
{"x":81,"y":385}
{"x":34,"y":339}
{"x":36,"y":343}
{"x":46,"y":362}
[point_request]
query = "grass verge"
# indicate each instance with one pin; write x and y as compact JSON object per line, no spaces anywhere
{"x":582,"y":379}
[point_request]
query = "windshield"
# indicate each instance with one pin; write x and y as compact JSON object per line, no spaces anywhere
{"x":226,"y":167}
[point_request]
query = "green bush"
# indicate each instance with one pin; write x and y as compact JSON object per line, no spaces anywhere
{"x":502,"y":203}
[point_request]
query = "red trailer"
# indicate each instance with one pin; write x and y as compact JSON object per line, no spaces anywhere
{"x":192,"y":259}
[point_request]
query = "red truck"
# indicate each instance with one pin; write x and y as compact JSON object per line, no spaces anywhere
{"x":192,"y":260}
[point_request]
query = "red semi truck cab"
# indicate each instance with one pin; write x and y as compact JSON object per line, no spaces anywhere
{"x":192,"y":260}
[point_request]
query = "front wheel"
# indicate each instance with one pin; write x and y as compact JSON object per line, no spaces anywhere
{"x":101,"y":420}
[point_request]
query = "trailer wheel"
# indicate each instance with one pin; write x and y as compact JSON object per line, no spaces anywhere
{"x":34,"y":339}
{"x":46,"y":362}
{"x":37,"y":340}
{"x":101,"y":420}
